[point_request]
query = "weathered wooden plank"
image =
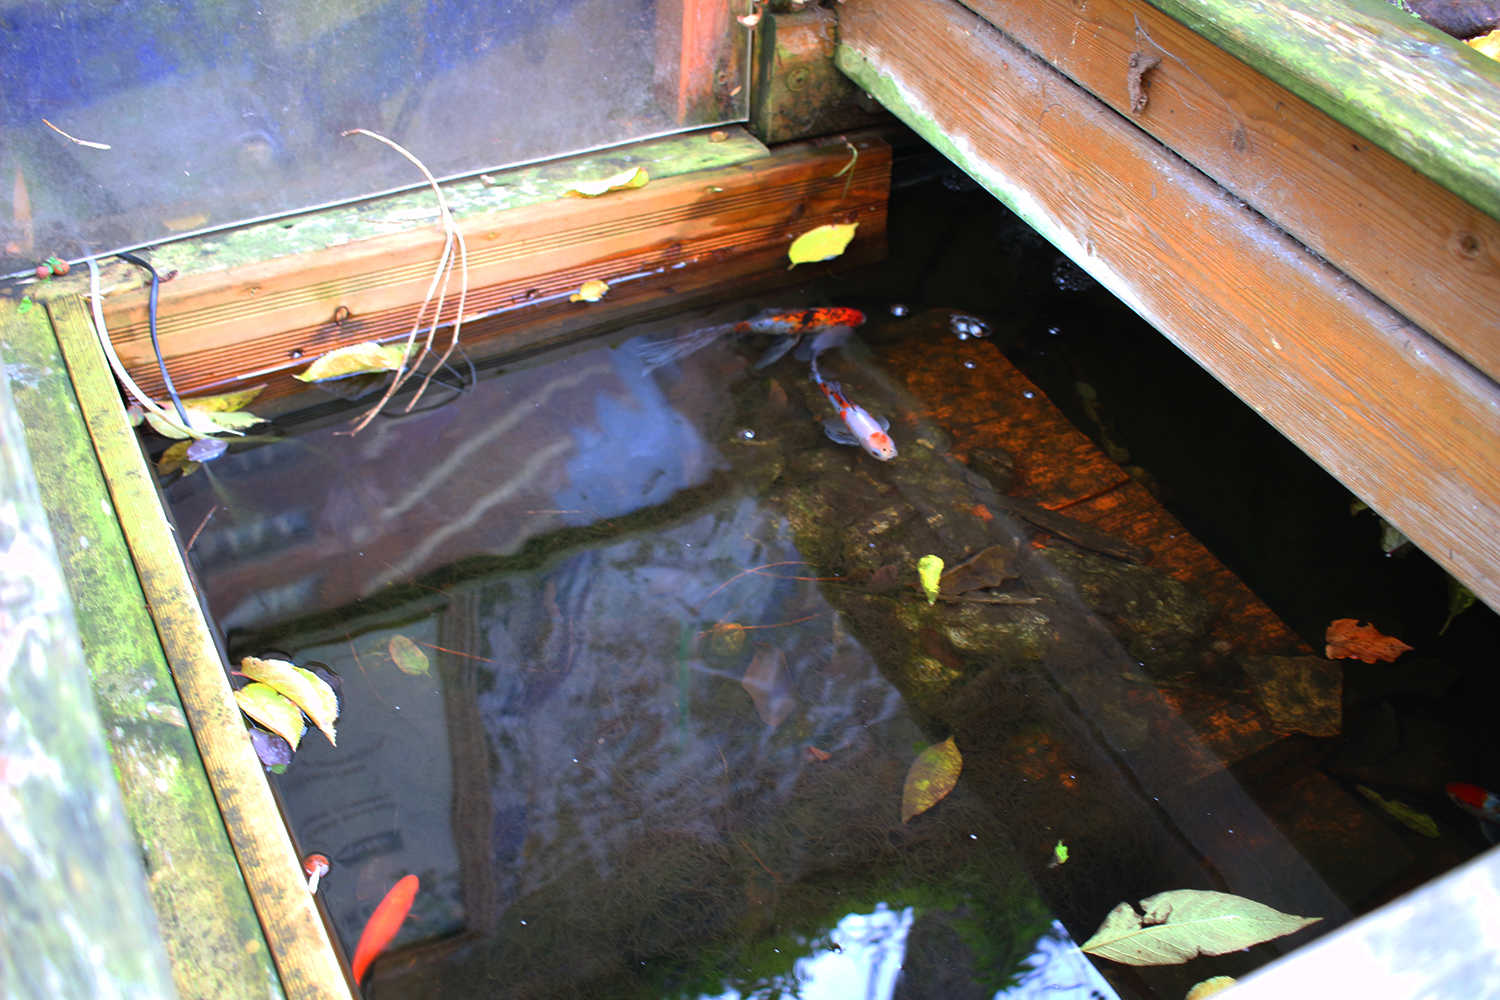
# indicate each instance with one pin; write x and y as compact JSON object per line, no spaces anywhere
{"x":1399,"y":419}
{"x":210,"y":930}
{"x":299,"y":942}
{"x":1415,"y":244}
{"x":1394,"y":79}
{"x":75,"y":921}
{"x":706,"y":225}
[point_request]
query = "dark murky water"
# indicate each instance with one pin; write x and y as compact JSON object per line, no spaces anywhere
{"x":673,"y":693}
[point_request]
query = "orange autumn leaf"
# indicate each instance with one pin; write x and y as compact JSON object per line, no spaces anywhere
{"x":1349,"y":640}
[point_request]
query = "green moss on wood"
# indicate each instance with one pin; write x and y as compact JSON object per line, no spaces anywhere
{"x":206,"y":918}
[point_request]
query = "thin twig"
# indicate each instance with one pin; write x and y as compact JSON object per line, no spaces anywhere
{"x":201,"y":526}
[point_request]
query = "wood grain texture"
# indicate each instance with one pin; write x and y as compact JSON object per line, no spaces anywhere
{"x":278,"y":315}
{"x":207,"y":923}
{"x":1415,"y":244}
{"x":299,"y":943}
{"x":1396,"y":416}
{"x":1428,"y":98}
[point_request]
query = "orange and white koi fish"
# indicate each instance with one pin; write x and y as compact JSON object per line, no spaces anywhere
{"x":384,"y":923}
{"x":1480,"y":802}
{"x":854,"y":424}
{"x":790,"y":325}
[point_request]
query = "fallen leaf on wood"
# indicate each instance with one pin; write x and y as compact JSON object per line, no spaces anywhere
{"x":632,"y":177}
{"x":590,"y":291}
{"x":267,"y":706}
{"x":407,"y":656}
{"x":1348,"y":639}
{"x":356,"y":359}
{"x":202,"y":421}
{"x":987,"y":568}
{"x":1185,"y":923}
{"x":1412,"y":819}
{"x":769,"y":685}
{"x":822,"y":243}
{"x":929,"y":573}
{"x":931,"y":777}
{"x":303,"y":688}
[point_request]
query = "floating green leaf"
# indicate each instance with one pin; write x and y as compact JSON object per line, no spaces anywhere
{"x":931,"y":777}
{"x":202,"y":421}
{"x":1059,"y":855}
{"x":408,"y":657}
{"x":356,"y":359}
{"x":304,"y":688}
{"x":822,"y":243}
{"x":1185,"y":923}
{"x":1413,"y":819}
{"x":930,"y":572}
{"x":267,"y":706}
{"x":633,"y":177}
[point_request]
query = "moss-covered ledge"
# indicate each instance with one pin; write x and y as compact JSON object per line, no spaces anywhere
{"x":210,"y":929}
{"x":1426,"y":98}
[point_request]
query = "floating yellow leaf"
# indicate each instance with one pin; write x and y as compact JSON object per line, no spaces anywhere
{"x":930,"y":572}
{"x":303,"y":688}
{"x":224,"y":403}
{"x":590,"y":291}
{"x":356,"y":359}
{"x":1185,"y":923}
{"x":204,"y":422}
{"x":822,"y":243}
{"x":408,"y":657}
{"x":632,"y":177}
{"x":1207,"y":988}
{"x":931,"y":777}
{"x":267,"y":706}
{"x":1411,"y":818}
{"x":175,"y":458}
{"x":1489,"y":44}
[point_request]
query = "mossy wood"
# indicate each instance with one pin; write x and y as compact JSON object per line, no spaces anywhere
{"x":795,"y":88}
{"x":681,"y":233}
{"x":75,"y":913}
{"x":1412,"y":90}
{"x":1403,"y":235}
{"x":211,"y":934}
{"x":1407,"y":425}
{"x":299,"y":943}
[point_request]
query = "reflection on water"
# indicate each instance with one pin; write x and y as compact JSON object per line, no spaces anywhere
{"x":678,"y":674}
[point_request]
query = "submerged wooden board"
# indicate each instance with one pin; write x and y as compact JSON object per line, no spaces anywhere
{"x":265,"y":320}
{"x":1415,"y":244}
{"x":1397,"y":417}
{"x":299,"y":942}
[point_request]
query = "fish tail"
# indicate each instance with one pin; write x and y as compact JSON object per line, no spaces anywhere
{"x":664,"y":352}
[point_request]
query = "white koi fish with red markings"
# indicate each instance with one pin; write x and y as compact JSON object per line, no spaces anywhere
{"x":854,"y":424}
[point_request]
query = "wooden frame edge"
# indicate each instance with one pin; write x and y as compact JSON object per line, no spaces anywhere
{"x":294,"y":929}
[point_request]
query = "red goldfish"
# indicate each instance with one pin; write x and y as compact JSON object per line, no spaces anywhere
{"x":384,"y":923}
{"x":1475,"y":801}
{"x":788,"y":324}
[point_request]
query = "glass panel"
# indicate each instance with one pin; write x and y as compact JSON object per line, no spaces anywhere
{"x":215,"y":113}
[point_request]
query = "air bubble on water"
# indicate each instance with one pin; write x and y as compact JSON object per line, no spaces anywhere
{"x":968,"y":364}
{"x":1029,"y":394}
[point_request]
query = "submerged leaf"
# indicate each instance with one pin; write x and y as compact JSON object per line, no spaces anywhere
{"x":1185,"y":923}
{"x":931,"y":777}
{"x":1349,"y":640}
{"x":769,"y":685}
{"x":1460,"y":599}
{"x":304,"y":688}
{"x":590,"y":291}
{"x":266,"y":705}
{"x":930,"y":573}
{"x":356,"y":359}
{"x":987,"y":568}
{"x":631,"y":177}
{"x":822,"y":243}
{"x":408,"y":657}
{"x":176,"y":457}
{"x":202,"y":421}
{"x":1412,"y":819}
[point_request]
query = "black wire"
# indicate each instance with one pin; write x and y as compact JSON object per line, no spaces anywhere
{"x":155,"y":343}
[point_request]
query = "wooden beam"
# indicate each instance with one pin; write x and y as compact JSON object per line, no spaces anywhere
{"x":228,"y":326}
{"x":299,"y":942}
{"x":1397,"y":417}
{"x":1415,"y":244}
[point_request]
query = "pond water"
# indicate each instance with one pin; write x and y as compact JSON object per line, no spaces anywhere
{"x":676,"y":665}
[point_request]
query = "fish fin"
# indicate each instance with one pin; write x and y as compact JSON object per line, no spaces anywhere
{"x":827,"y":340}
{"x":663,"y":352}
{"x":884,"y":421}
{"x":776,"y":351}
{"x":837,"y":432}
